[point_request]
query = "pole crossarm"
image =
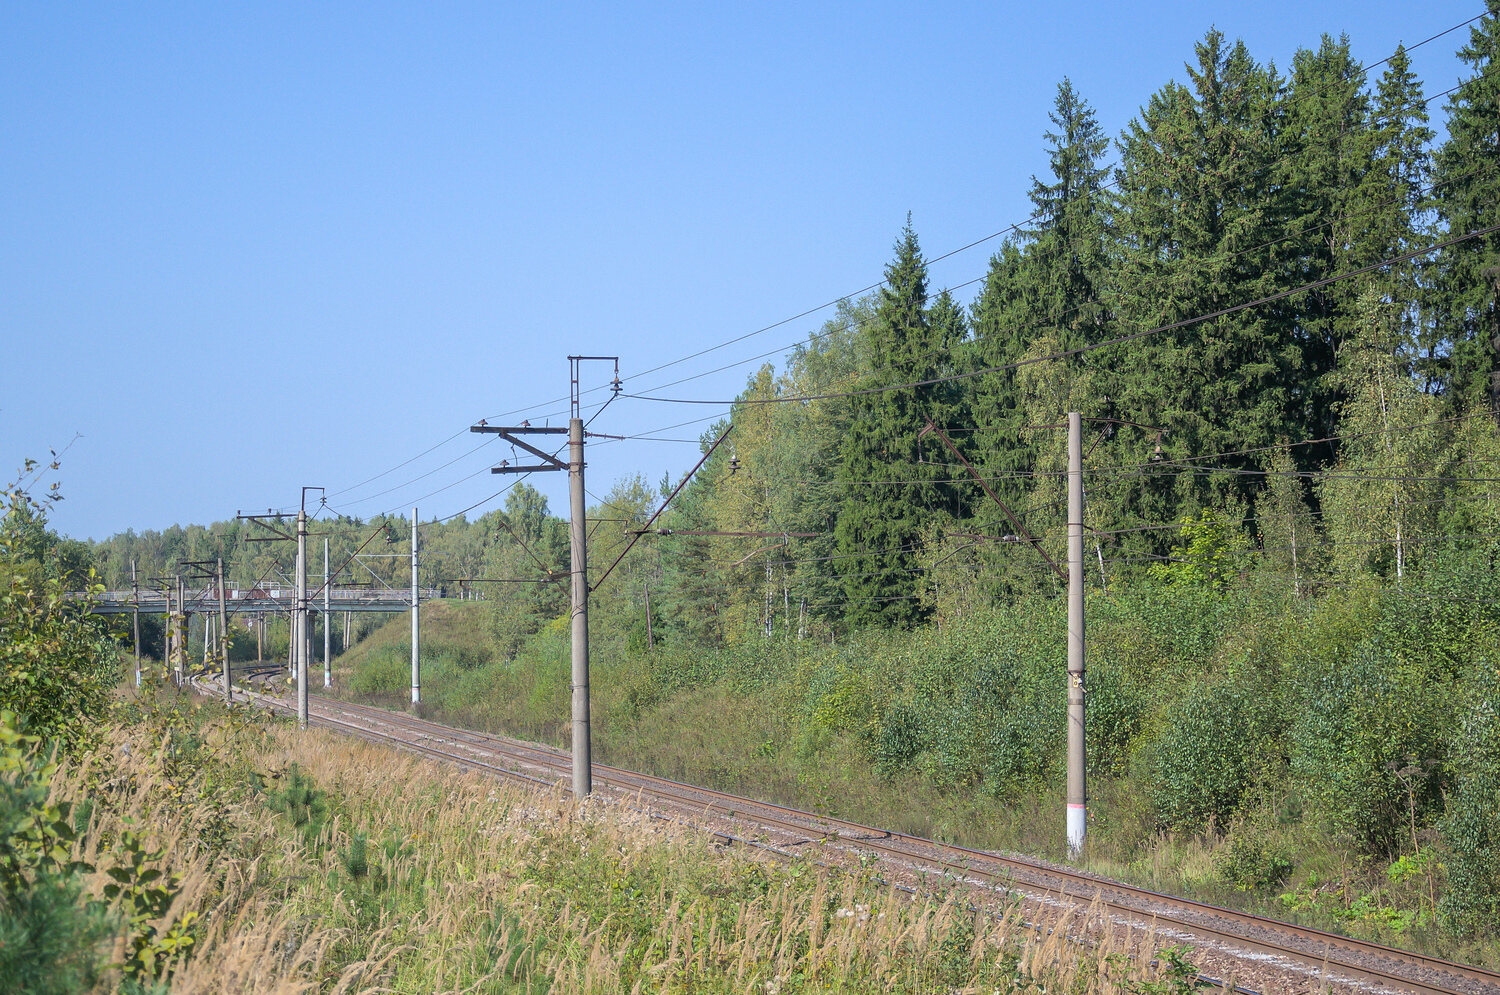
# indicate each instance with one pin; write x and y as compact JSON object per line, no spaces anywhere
{"x":505,"y":467}
{"x":1014,"y":521}
{"x":261,"y":521}
{"x":509,"y":434}
{"x":504,"y":580}
{"x":985,"y":538}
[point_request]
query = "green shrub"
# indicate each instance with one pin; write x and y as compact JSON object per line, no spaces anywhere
{"x":51,"y":936}
{"x":51,"y":939}
{"x":301,"y":801}
{"x":1471,"y":827}
{"x":384,"y":671}
{"x":1361,"y":722}
{"x":1213,"y":745}
{"x":899,"y":741}
{"x":1251,"y":859}
{"x":355,"y":857}
{"x":58,"y":665}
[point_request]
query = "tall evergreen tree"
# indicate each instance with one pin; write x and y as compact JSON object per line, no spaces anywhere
{"x":1467,"y":190}
{"x":1396,"y":200}
{"x":890,"y":493}
{"x":1196,"y":213}
{"x":1004,"y":320}
{"x":1069,"y":253}
{"x":1322,"y":155}
{"x":949,"y":332}
{"x":1053,"y":289}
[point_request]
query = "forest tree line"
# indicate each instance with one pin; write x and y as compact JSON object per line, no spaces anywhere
{"x":1334,"y":433}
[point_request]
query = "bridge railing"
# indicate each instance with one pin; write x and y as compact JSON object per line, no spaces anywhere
{"x":276,"y":595}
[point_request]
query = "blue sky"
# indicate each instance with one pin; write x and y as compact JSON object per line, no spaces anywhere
{"x":247,"y":248}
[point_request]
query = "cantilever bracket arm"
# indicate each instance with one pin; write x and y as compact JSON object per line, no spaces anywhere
{"x":508,"y":434}
{"x":506,"y":468}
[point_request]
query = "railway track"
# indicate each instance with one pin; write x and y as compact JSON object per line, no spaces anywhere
{"x":1254,"y":942}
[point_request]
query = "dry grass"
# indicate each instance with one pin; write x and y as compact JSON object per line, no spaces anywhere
{"x":478,"y":885}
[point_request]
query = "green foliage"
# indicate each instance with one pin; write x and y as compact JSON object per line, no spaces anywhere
{"x":900,"y":740}
{"x":51,"y":941}
{"x":355,"y":857}
{"x":879,"y":526}
{"x":1363,"y":720}
{"x":1251,"y":861}
{"x":57,"y":667}
{"x":1215,"y":742}
{"x":1462,"y":349}
{"x":1471,"y":826}
{"x":145,"y":896}
{"x":301,"y":801}
{"x":42,"y":835}
{"x":50,"y":933}
{"x":1179,"y":975}
{"x":50,"y":938}
{"x":1205,"y":554}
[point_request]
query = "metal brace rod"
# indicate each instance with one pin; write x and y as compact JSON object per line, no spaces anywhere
{"x":654,"y":517}
{"x":1014,"y":521}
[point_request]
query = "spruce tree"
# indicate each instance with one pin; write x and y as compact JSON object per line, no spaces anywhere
{"x":1004,"y":317}
{"x":1196,"y":212}
{"x":1394,"y":195}
{"x":890,"y":493}
{"x":1070,"y":249}
{"x":1052,"y":287}
{"x":1467,"y":190}
{"x":1323,"y":153}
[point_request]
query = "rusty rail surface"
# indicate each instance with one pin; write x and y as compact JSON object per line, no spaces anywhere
{"x":1320,"y":953}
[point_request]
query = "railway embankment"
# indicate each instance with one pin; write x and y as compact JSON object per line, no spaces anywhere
{"x":1319,"y":759}
{"x":234,"y":853}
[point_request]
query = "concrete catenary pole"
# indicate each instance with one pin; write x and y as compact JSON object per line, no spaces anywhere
{"x":224,"y":635}
{"x":291,"y":626}
{"x":168,"y":634}
{"x":136,"y":621}
{"x":1077,"y":791}
{"x":582,"y":766}
{"x":309,"y":625}
{"x":327,"y":620}
{"x":416,"y":620}
{"x":179,"y":661}
{"x":299,"y":623}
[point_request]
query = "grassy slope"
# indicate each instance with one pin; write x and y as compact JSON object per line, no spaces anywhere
{"x":315,"y":861}
{"x":762,"y":743}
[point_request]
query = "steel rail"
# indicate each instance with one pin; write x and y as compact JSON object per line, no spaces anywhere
{"x":961,"y":860}
{"x":1086,"y":887}
{"x":376,"y":735}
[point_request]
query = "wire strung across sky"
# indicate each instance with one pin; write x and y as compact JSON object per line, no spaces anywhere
{"x":1013,"y":228}
{"x":1219,"y":258}
{"x":1016,"y":227}
{"x":1094,"y":347}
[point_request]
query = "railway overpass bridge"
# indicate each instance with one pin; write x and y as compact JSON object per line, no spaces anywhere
{"x":265,"y":600}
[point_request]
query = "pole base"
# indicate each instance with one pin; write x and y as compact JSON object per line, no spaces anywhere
{"x":1077,"y":822}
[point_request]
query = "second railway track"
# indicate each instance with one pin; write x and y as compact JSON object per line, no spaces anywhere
{"x":1256,"y":942}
